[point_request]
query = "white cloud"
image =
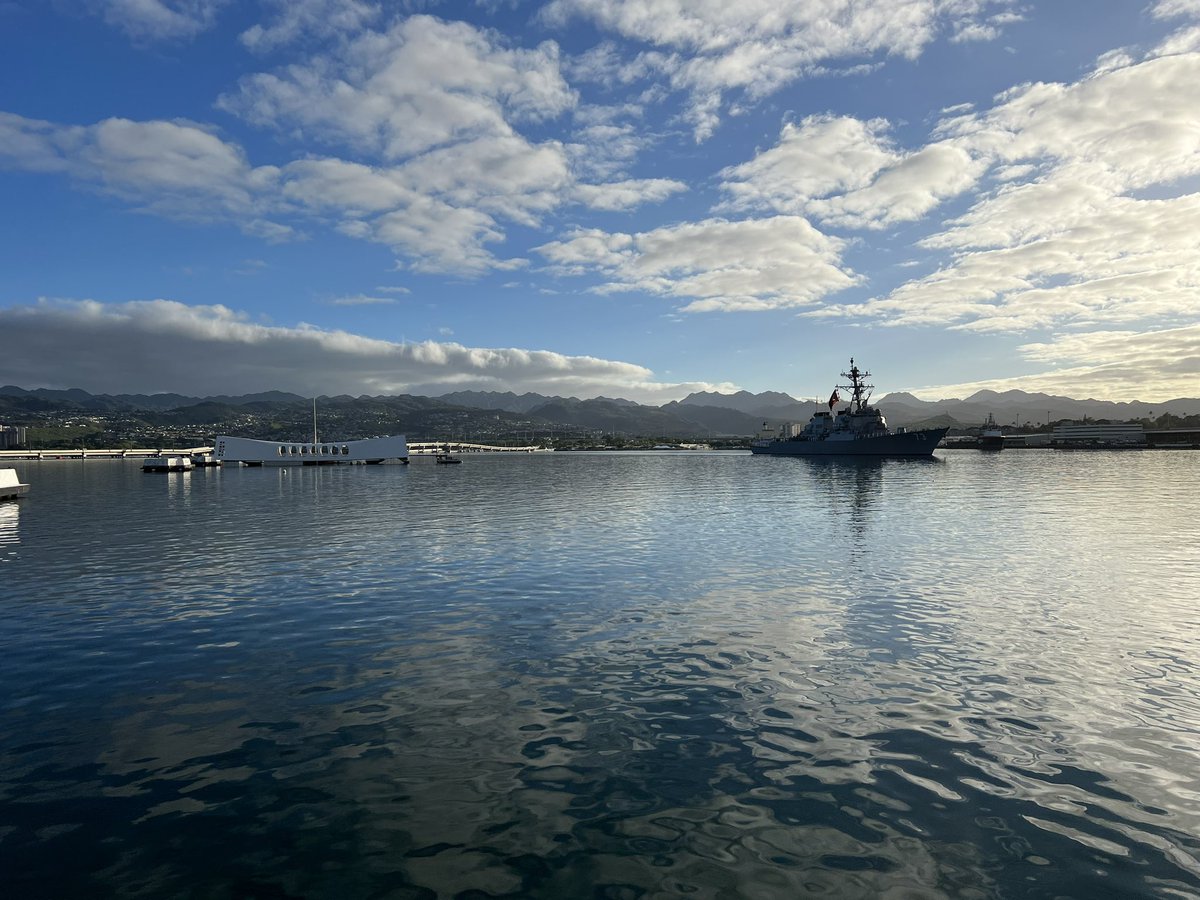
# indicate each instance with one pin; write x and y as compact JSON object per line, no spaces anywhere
{"x":436,"y":100}
{"x":713,"y":265}
{"x":905,"y":191}
{"x":604,"y":148}
{"x":1066,"y":240}
{"x":506,"y":176}
{"x":1172,"y":9}
{"x":1152,"y":366}
{"x":1118,"y":260}
{"x":1185,"y":40}
{"x":708,"y":48}
{"x":423,"y":83}
{"x":164,"y":345}
{"x":158,"y":20}
{"x":627,"y":194}
{"x":846,"y":172}
{"x":820,"y":156}
{"x":439,"y":237}
{"x":438,"y":209}
{"x":1135,"y":124}
{"x":175,"y":169}
{"x":298,"y":19}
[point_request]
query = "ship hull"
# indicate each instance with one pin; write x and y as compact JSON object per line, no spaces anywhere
{"x":908,"y":443}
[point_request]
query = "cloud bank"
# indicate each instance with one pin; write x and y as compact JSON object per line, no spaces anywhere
{"x":155,"y":346}
{"x":1152,"y":366}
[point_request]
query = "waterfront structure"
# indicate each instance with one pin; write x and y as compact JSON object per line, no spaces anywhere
{"x":1027,"y":440}
{"x":1174,"y":438}
{"x":294,"y":453}
{"x":1092,"y":434}
{"x":857,"y":430}
{"x":10,"y":487}
{"x":168,"y":464}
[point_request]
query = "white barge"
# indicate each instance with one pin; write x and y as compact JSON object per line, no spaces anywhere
{"x":249,"y":452}
{"x":168,"y":464}
{"x":10,"y":488}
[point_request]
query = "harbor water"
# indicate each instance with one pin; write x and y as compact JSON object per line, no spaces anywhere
{"x":605,"y":675}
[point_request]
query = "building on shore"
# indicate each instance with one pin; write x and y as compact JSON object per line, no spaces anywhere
{"x":1173,"y":437}
{"x":1092,"y":434}
{"x":12,"y":437}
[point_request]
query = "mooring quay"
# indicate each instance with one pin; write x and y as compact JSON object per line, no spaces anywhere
{"x":415,"y":448}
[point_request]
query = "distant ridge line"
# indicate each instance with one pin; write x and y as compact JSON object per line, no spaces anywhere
{"x":704,"y":411}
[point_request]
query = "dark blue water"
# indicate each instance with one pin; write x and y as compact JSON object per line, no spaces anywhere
{"x":614,"y":676}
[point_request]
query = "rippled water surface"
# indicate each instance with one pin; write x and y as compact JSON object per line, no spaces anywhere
{"x":605,"y":675}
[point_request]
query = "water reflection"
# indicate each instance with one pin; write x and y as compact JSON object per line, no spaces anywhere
{"x":598,"y":676}
{"x":10,"y":535}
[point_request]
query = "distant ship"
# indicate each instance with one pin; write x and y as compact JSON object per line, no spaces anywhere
{"x":857,"y":430}
{"x":990,"y":435}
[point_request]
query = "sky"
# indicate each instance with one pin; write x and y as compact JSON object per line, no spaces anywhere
{"x":618,"y":198}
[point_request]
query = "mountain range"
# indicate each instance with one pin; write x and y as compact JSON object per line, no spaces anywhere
{"x":702,"y":414}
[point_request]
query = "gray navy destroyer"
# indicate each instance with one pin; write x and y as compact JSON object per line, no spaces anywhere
{"x":856,"y":430}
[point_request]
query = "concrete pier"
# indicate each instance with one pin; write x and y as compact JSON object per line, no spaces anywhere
{"x":140,"y":453}
{"x":416,"y":448}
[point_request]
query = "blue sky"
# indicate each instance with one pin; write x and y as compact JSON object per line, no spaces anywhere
{"x":631,"y":198}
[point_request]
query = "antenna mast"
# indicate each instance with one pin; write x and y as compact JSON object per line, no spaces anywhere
{"x":315,"y":419}
{"x":860,"y":391}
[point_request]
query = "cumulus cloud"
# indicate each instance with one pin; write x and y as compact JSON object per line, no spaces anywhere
{"x":1069,"y":237}
{"x":709,"y":48}
{"x":423,"y":83}
{"x":162,"y":345}
{"x":846,"y":172}
{"x":713,"y":265}
{"x":627,"y":194}
{"x":436,"y":102}
{"x":819,"y":156}
{"x":296,"y":20}
{"x":177,"y":169}
{"x":1133,"y":124}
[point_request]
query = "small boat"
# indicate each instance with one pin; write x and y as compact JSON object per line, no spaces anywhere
{"x":990,"y":435}
{"x":167,"y":464}
{"x":857,"y":430}
{"x":10,"y":487}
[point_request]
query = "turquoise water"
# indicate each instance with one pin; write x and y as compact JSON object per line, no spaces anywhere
{"x":605,"y":675}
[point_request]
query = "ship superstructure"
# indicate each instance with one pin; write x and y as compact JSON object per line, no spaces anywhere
{"x":858,"y":429}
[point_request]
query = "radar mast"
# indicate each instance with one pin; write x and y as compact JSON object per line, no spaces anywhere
{"x":860,"y":391}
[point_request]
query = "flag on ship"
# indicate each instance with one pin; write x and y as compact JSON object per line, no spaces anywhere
{"x":833,"y":398}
